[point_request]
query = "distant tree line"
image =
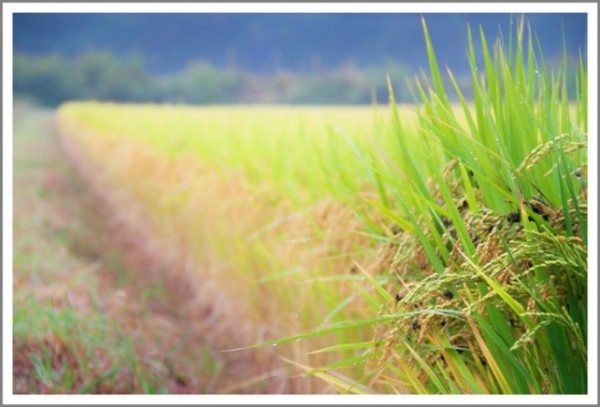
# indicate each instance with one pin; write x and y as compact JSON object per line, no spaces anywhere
{"x":53,"y":79}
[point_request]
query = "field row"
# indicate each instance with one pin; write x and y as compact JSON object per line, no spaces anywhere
{"x":432,"y":249}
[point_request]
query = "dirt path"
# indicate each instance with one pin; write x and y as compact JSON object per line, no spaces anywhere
{"x":92,"y":312}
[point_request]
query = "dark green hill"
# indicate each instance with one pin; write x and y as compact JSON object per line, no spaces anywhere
{"x":264,"y":43}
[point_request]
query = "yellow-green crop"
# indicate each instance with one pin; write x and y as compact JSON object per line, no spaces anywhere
{"x":432,"y":250}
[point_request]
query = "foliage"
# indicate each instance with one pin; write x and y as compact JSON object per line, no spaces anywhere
{"x":103,"y":76}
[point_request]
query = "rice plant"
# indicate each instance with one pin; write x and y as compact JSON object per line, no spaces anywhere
{"x":486,"y":242}
{"x":441,"y":250}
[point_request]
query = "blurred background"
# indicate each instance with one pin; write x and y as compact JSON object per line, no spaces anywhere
{"x":253,"y":58}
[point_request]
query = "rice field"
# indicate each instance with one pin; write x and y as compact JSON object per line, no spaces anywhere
{"x":434,"y":248}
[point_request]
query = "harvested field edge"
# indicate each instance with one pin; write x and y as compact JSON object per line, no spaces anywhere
{"x":253,"y":369}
